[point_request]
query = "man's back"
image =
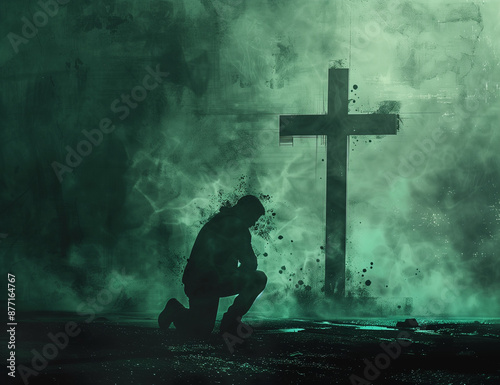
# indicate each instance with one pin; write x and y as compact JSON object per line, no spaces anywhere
{"x":221,"y":243}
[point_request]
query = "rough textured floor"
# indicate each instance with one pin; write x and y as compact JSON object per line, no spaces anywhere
{"x":126,"y":350}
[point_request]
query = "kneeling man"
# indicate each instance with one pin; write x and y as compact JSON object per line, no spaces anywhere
{"x":212,"y":272}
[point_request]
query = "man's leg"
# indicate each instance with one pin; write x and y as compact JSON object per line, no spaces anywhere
{"x":199,"y":319}
{"x":248,"y":286}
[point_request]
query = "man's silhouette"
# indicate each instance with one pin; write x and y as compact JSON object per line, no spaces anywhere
{"x":212,"y":272}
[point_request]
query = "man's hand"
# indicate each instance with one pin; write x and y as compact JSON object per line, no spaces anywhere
{"x":244,"y":267}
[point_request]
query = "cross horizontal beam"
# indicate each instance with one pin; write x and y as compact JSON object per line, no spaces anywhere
{"x":356,"y":124}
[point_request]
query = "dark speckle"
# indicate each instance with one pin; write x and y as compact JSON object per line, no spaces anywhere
{"x":280,"y":237}
{"x":317,"y":260}
{"x":364,"y":270}
{"x":283,"y":267}
{"x":265,"y":254}
{"x":355,"y":86}
{"x":389,"y":107}
{"x":301,"y":282}
{"x":281,"y":271}
{"x":368,"y":283}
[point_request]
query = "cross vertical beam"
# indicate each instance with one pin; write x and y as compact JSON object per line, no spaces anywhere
{"x":336,"y":183}
{"x":337,"y":125}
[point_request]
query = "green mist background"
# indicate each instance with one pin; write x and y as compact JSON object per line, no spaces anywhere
{"x":209,"y":134}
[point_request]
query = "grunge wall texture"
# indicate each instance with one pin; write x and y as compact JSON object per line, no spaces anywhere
{"x":424,"y":208}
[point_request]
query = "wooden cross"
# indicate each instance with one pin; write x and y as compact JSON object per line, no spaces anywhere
{"x":337,"y":125}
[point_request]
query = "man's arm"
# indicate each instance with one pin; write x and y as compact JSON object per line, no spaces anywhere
{"x":247,"y":258}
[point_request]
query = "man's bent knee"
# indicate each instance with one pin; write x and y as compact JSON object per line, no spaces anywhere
{"x":260,"y":279}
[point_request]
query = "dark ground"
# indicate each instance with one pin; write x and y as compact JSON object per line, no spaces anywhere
{"x":131,"y":350}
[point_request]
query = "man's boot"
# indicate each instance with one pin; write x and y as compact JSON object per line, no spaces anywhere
{"x":229,"y":324}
